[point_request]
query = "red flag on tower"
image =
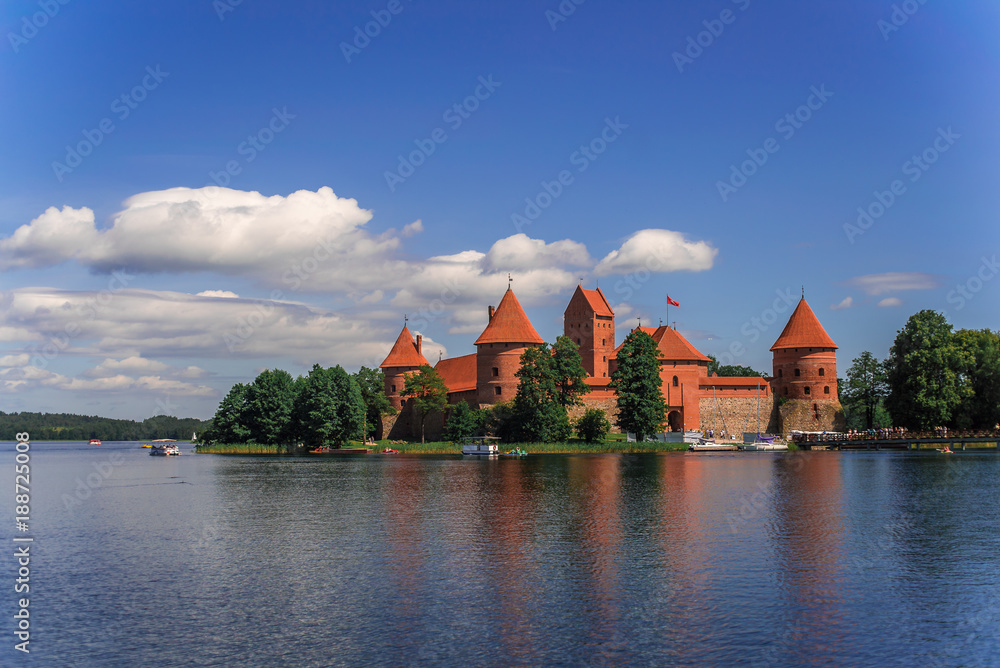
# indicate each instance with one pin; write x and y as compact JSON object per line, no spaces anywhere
{"x":671,"y":302}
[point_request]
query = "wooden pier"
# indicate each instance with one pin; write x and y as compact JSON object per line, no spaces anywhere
{"x":956,"y":444}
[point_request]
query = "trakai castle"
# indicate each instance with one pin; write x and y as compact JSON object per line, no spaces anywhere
{"x":801,"y":393}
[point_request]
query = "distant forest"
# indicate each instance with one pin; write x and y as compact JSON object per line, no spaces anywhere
{"x":68,"y":427}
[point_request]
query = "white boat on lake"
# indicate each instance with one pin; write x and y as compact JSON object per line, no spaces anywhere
{"x":481,"y":445}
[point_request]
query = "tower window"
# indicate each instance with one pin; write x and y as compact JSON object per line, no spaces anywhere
{"x":822,"y":372}
{"x":796,"y":373}
{"x":605,"y":358}
{"x":806,"y":388}
{"x":826,"y":389}
{"x":496,"y":372}
{"x":779,"y":373}
{"x":676,"y":382}
{"x":604,"y":342}
{"x":786,"y":391}
{"x":497,"y":390}
{"x":393,"y":388}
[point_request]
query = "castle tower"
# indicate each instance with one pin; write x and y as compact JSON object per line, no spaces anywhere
{"x":590,"y":323}
{"x":404,"y":358}
{"x":805,"y":373}
{"x":499,"y":349}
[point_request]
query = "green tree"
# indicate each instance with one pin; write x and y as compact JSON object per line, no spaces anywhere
{"x":568,"y":372}
{"x":981,"y":377}
{"x":329,"y":409}
{"x":593,"y":425}
{"x":730,"y":370}
{"x":463,"y":422}
{"x":268,"y":406}
{"x":924,"y":372}
{"x":539,"y":415}
{"x":428,"y":391}
{"x":637,"y":381}
{"x":866,"y":388}
{"x":227,"y":425}
{"x":372,"y":384}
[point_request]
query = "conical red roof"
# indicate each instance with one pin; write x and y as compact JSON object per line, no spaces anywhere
{"x":803,"y":331}
{"x":404,"y":352}
{"x":509,"y":324}
{"x":671,"y":345}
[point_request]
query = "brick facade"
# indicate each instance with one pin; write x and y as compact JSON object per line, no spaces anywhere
{"x":802,"y":394}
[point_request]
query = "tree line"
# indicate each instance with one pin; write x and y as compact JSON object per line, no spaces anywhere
{"x":331,"y":406}
{"x":326,"y":407}
{"x":70,"y":427}
{"x":932,"y":377}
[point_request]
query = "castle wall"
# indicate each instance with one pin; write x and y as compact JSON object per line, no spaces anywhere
{"x":735,"y":414}
{"x":810,"y":416}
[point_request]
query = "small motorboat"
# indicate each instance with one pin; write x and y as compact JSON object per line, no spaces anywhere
{"x":164,"y":450}
{"x":95,"y":441}
{"x":390,"y":451}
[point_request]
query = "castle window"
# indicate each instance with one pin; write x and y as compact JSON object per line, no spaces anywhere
{"x":806,"y":390}
{"x":496,"y":372}
{"x":786,"y":391}
{"x":779,"y":373}
{"x":604,"y":342}
{"x":497,"y":390}
{"x":676,"y":382}
{"x":393,"y":389}
{"x":605,"y":358}
{"x":822,"y":372}
{"x":796,"y":373}
{"x":826,"y":389}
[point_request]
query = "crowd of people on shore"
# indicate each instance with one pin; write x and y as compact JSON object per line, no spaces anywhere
{"x":890,"y":433}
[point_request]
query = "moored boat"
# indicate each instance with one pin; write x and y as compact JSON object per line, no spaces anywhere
{"x":95,"y":441}
{"x":164,"y":450}
{"x":481,"y":445}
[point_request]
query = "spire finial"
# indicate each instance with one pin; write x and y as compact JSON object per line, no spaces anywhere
{"x":405,"y":320}
{"x":803,"y":292}
{"x":509,"y":280}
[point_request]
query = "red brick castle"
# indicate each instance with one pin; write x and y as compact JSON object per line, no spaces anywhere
{"x":801,"y":393}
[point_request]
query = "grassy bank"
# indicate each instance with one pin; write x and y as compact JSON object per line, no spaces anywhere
{"x":447,"y":448}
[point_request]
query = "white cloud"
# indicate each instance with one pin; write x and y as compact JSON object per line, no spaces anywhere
{"x":221,"y":294}
{"x":53,"y":237}
{"x":877,"y":284}
{"x":134,"y":328}
{"x":416,"y":227}
{"x":890,"y":301}
{"x":134,"y":364}
{"x":14,"y":360}
{"x":519,"y":252}
{"x":847,"y":302}
{"x":658,"y":250}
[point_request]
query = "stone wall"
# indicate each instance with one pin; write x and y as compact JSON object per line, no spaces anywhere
{"x":811,"y":416}
{"x":736,"y":415}
{"x":607,"y":404}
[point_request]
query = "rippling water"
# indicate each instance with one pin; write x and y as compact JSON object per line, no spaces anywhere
{"x":676,"y":559}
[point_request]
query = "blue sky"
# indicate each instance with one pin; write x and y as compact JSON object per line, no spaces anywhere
{"x":134,"y":284}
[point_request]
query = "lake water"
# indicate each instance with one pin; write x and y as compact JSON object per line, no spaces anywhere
{"x":869,"y":558}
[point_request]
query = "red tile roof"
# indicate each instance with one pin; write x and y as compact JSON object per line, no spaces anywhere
{"x":671,"y":344}
{"x":404,"y":352}
{"x":598,"y":302}
{"x":458,"y":373}
{"x":803,"y":331}
{"x":509,"y":324}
